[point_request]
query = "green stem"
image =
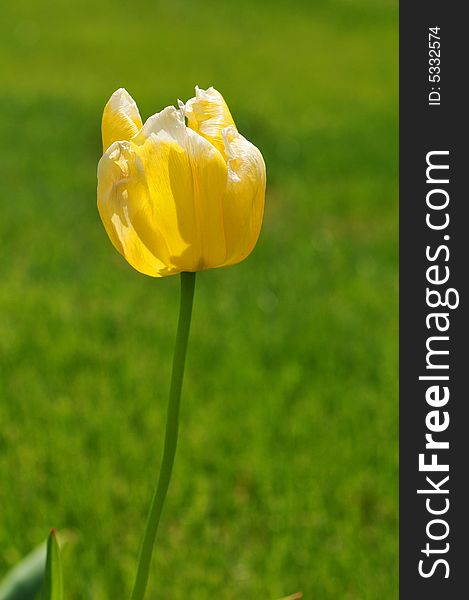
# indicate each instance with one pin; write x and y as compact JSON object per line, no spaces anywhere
{"x":171,"y":436}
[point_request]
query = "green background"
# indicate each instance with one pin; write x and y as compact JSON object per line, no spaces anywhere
{"x":286,"y":473}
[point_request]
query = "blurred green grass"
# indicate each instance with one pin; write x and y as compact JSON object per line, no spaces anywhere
{"x":286,"y":474}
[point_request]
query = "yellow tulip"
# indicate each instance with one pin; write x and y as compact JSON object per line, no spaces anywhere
{"x":178,"y":197}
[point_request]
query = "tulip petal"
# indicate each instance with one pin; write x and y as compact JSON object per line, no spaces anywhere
{"x":243,"y":203}
{"x":114,"y":205}
{"x":121,"y":119}
{"x":186,"y":179}
{"x":208,"y":115}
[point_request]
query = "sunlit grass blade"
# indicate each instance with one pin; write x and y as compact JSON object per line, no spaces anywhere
{"x":25,"y":579}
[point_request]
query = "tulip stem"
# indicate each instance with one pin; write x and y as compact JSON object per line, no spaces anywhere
{"x":171,"y":436}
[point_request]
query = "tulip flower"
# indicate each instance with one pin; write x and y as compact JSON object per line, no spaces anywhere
{"x":176,"y":197}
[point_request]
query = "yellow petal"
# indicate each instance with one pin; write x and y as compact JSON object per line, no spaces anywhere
{"x":115,"y":176}
{"x":208,"y":115}
{"x":243,"y":203}
{"x":121,"y":119}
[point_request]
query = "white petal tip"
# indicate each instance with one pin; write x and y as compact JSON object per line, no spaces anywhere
{"x":182,"y":108}
{"x":200,"y":93}
{"x":121,"y":99}
{"x":121,"y":93}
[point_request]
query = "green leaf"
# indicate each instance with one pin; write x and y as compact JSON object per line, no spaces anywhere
{"x":25,"y":580}
{"x":53,"y":586}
